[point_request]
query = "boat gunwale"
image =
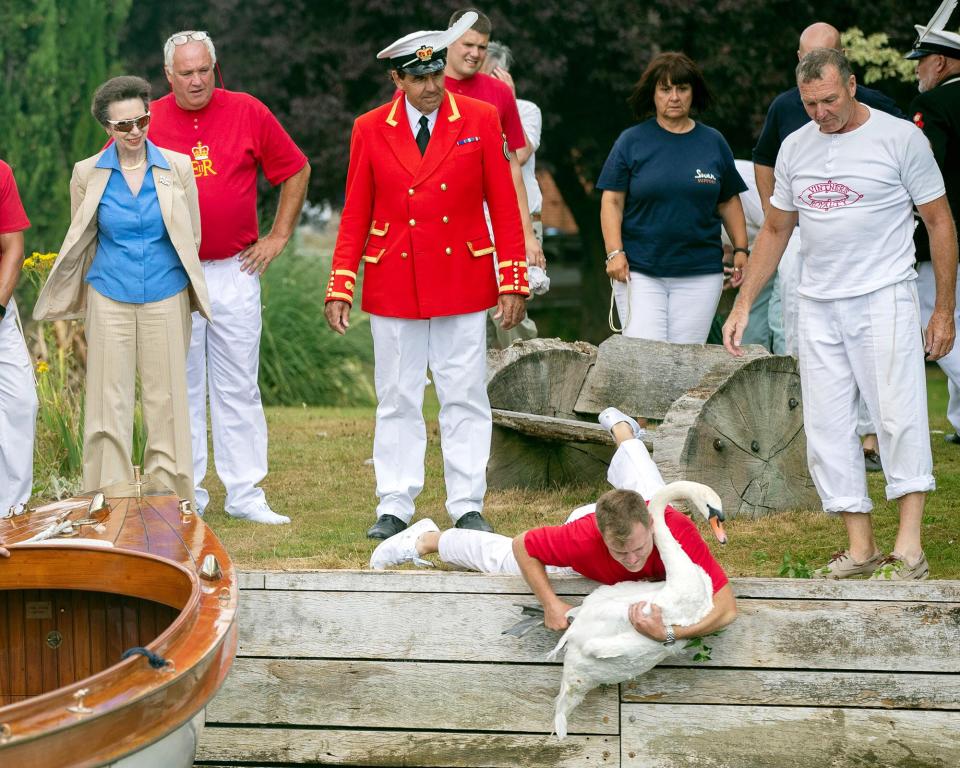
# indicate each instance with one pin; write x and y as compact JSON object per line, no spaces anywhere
{"x":204,"y":607}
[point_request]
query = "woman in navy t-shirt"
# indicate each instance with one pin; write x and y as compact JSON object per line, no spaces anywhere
{"x":667,"y":185}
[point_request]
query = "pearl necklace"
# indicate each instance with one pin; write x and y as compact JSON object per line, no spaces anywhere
{"x":134,"y":167}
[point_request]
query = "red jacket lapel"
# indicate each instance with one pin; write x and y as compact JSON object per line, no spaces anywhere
{"x":396,"y":130}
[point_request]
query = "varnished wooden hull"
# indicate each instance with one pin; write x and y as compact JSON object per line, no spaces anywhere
{"x":147,"y":582}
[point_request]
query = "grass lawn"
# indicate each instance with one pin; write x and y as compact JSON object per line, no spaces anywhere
{"x":320,"y":477}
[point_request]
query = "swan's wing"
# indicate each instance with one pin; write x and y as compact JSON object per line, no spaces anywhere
{"x":614,"y":646}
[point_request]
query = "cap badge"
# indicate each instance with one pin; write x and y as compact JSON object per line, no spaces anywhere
{"x":425,"y":52}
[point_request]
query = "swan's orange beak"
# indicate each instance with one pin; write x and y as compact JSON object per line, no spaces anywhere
{"x":716,"y":522}
{"x":718,"y":530}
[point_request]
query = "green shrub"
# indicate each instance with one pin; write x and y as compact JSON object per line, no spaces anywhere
{"x":301,"y":360}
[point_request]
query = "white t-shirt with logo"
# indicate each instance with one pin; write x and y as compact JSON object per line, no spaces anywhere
{"x":854,"y":193}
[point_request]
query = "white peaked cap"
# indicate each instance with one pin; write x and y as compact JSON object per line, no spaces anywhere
{"x":422,"y":52}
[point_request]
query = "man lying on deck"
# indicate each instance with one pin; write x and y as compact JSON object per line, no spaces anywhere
{"x":610,"y":541}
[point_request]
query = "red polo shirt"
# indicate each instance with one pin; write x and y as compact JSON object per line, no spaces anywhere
{"x":12,"y":216}
{"x":228,"y":140}
{"x":580,"y":546}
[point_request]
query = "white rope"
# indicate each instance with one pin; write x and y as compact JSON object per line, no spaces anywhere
{"x":610,"y":314}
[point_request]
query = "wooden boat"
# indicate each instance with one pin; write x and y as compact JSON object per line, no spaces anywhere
{"x":87,"y":579}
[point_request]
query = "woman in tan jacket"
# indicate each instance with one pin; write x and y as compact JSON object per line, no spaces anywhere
{"x":129,"y":266}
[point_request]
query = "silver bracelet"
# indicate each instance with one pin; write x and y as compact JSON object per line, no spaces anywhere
{"x":614,"y":253}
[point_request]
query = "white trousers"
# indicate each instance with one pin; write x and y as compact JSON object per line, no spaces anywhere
{"x":454,"y":348}
{"x":224,"y":361}
{"x":788,"y":275}
{"x":631,"y":469}
{"x":677,"y":309}
{"x":871,"y":347}
{"x":950,"y":363}
{"x":18,"y":414}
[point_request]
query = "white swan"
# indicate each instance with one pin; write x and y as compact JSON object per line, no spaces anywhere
{"x":601,"y":644}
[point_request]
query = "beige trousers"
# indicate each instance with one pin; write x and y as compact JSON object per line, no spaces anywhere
{"x":122,"y":340}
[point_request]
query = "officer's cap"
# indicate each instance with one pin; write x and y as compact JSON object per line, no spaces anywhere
{"x":421,"y":53}
{"x":929,"y":42}
{"x":933,"y":38}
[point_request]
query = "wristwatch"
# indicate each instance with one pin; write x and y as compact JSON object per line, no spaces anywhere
{"x":615,"y":253}
{"x":671,"y":637}
{"x":742,"y":250}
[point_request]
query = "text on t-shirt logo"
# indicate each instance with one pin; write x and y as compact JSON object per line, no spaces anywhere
{"x":704,"y":178}
{"x":829,"y":194}
{"x":202,"y":164}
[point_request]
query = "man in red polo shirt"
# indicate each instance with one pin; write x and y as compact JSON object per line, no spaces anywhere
{"x":586,"y":544}
{"x":465,"y":58}
{"x":230,"y":136}
{"x":18,"y":397}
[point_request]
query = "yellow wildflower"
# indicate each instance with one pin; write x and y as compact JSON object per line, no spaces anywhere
{"x":29,"y":263}
{"x":42,"y":366}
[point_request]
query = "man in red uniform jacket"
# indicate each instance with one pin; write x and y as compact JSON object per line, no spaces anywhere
{"x":420,"y":170}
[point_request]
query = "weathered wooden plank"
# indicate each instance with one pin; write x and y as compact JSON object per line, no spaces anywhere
{"x":643,"y":377}
{"x":683,"y":736}
{"x":551,"y":428}
{"x":932,"y":591}
{"x":376,"y":694}
{"x":405,"y":748}
{"x":460,"y":582}
{"x":420,"y":581}
{"x":787,"y":634}
{"x":870,"y":690}
{"x":250,"y":579}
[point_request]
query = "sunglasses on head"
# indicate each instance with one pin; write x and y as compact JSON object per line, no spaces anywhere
{"x":187,"y":37}
{"x":125,"y":126}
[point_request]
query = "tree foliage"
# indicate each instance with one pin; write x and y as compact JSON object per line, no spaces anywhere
{"x":314,"y":64}
{"x":53,"y":54}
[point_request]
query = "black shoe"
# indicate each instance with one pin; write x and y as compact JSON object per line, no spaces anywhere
{"x":871,"y":461}
{"x":953,"y":437}
{"x":473,"y":521}
{"x":385,"y":527}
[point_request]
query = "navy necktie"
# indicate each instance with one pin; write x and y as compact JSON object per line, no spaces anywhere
{"x":423,"y":135}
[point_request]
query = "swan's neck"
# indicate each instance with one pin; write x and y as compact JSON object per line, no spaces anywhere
{"x":676,"y":562}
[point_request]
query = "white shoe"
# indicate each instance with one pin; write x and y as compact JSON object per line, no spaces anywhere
{"x":261,"y":513}
{"x":610,"y":417}
{"x":402,"y":547}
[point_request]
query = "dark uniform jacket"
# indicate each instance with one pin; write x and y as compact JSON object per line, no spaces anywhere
{"x":937,"y":114}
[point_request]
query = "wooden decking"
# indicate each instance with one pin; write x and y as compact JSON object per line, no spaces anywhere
{"x":410,"y":668}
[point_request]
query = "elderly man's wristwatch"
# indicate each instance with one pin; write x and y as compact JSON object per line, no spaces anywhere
{"x":671,"y":637}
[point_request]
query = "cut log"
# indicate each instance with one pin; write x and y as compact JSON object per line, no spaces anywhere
{"x":643,"y":378}
{"x":741,"y":433}
{"x":541,"y":376}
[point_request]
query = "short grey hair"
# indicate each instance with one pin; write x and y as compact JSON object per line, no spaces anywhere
{"x":812,"y":65}
{"x":501,"y":54}
{"x":169,"y":48}
{"x":118,"y":89}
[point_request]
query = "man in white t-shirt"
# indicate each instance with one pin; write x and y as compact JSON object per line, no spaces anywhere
{"x":852,"y":177}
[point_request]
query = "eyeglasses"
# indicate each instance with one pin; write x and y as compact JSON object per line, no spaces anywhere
{"x":187,"y":37}
{"x":125,"y":126}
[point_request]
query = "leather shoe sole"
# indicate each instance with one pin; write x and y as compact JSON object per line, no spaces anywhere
{"x":473,"y":521}
{"x":385,"y":527}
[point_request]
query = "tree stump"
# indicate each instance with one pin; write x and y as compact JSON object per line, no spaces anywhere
{"x":741,"y":433}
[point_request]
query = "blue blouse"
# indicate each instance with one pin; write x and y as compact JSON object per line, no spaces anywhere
{"x":135,"y":260}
